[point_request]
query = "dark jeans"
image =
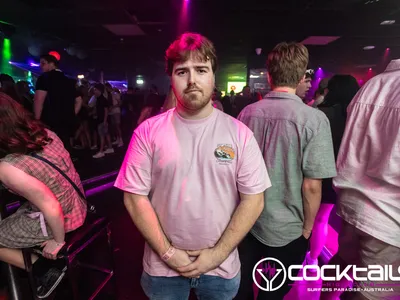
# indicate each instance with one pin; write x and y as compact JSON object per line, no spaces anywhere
{"x":251,"y":251}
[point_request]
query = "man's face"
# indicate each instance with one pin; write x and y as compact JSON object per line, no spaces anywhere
{"x":45,"y":66}
{"x":246,"y":92}
{"x":193,"y":83}
{"x":303,"y":87}
{"x":96,"y":92}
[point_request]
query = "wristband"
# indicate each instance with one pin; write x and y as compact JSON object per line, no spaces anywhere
{"x":167,"y":255}
{"x":60,"y":244}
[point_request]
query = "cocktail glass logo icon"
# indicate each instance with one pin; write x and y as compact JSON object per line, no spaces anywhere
{"x":269,"y":269}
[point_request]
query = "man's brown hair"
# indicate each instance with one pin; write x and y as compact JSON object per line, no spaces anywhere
{"x":287,"y":64}
{"x":190,"y":45}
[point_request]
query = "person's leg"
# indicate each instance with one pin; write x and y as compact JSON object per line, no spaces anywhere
{"x":101,"y":130}
{"x":291,"y":254}
{"x":250,"y":250}
{"x":117,"y":119}
{"x":215,"y":288}
{"x":106,"y":133}
{"x":320,"y":230}
{"x":348,"y":254}
{"x":95,"y":139}
{"x":165,"y":288}
{"x":335,"y":287}
{"x":14,"y":257}
{"x":108,"y":137}
{"x":87,"y":132}
{"x":78,"y":133}
{"x":375,"y":252}
{"x":102,"y":134}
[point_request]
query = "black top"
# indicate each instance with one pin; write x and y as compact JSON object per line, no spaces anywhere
{"x":337,"y":120}
{"x":59,"y":105}
{"x":101,"y":104}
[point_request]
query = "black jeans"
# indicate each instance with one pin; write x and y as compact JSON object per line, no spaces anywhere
{"x":251,"y":251}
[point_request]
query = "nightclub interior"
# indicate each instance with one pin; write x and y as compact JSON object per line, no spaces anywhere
{"x":200,"y":149}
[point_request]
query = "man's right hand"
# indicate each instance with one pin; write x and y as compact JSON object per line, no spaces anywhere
{"x":178,"y":260}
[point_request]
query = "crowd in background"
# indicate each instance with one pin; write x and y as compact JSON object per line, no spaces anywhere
{"x":99,"y":117}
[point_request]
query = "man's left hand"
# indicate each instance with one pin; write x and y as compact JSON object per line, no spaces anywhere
{"x":207,"y":260}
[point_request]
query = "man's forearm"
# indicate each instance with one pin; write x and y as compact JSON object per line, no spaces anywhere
{"x":242,"y":221}
{"x":145,"y":218}
{"x":38,"y":103}
{"x":311,"y":204}
{"x":37,"y":109}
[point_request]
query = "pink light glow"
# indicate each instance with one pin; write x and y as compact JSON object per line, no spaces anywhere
{"x":386,"y":55}
{"x":184,"y":17}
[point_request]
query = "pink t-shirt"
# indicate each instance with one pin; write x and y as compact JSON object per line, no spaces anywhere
{"x":192,"y":171}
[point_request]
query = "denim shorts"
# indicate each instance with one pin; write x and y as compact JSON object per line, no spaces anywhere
{"x":178,"y":288}
{"x":102,"y":129}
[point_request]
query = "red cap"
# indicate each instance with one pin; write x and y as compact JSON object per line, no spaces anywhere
{"x":55,"y":54}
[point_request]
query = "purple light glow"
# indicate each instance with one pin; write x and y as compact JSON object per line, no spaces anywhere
{"x":320,"y":73}
{"x":99,"y":189}
{"x":34,"y":65}
{"x":99,"y":178}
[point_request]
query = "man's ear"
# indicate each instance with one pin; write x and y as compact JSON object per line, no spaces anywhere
{"x":302,"y":80}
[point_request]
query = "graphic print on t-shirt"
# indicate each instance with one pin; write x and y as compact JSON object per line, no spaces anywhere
{"x":224,"y":153}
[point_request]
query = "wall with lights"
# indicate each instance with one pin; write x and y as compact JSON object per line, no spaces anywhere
{"x":6,"y":56}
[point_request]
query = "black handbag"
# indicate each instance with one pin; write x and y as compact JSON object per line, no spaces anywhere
{"x":90,"y":207}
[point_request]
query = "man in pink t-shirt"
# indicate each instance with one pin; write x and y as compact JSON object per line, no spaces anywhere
{"x":194,"y":180}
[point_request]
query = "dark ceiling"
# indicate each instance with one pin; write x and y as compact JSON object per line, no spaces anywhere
{"x":236,"y":28}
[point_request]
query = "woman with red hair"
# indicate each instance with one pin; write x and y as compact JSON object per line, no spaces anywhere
{"x":29,"y":154}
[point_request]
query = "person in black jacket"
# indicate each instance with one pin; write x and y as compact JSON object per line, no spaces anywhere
{"x":341,"y":90}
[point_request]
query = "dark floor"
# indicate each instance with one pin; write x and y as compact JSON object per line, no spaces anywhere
{"x":128,"y":245}
{"x":89,"y":167}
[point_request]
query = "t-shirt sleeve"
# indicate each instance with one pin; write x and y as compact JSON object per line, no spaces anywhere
{"x":252,"y":176}
{"x":42,"y":83}
{"x":135,"y":174}
{"x":318,"y":156}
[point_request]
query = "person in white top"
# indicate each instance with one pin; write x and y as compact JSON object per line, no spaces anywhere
{"x":368,"y":183}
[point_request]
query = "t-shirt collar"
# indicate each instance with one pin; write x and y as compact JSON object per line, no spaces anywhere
{"x":281,"y":95}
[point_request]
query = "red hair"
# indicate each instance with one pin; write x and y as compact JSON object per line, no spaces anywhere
{"x":189,"y":44}
{"x":19,"y":131}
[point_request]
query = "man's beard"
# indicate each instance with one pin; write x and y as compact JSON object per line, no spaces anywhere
{"x":195,"y":100}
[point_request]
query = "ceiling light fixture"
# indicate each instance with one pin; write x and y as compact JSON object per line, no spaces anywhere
{"x":388,"y":22}
{"x":371,"y":1}
{"x":369,"y":47}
